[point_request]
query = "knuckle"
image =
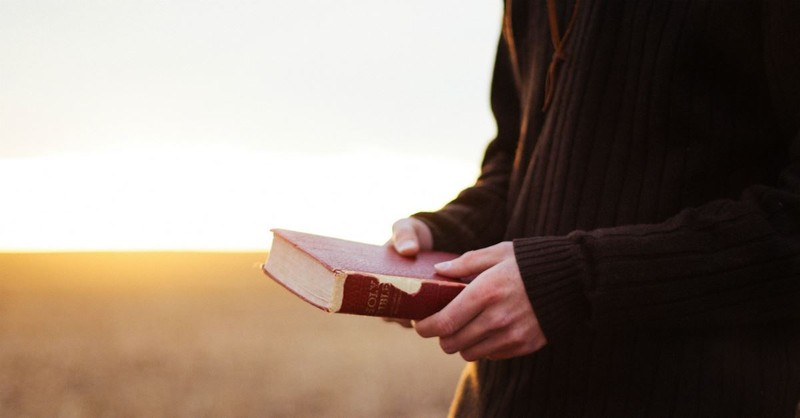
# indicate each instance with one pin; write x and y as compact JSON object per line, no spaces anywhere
{"x":421,"y":332}
{"x":400,"y":222}
{"x":440,"y":325}
{"x":518,"y":337}
{"x":423,"y":329}
{"x":415,"y":224}
{"x":526,"y":345}
{"x":494,"y":295}
{"x":446,"y":325}
{"x":469,"y":256}
{"x":529,"y":347}
{"x":489,"y":296}
{"x":498,"y":320}
{"x":447,"y":345}
{"x":401,"y":226}
{"x":469,"y":356}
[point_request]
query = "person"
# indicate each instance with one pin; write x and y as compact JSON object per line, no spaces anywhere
{"x":634,"y":233}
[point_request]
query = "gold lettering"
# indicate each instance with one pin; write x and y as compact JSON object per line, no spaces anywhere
{"x":372,"y":297}
{"x":383,"y":303}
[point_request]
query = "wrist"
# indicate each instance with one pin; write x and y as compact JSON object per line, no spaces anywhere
{"x":554,"y":272}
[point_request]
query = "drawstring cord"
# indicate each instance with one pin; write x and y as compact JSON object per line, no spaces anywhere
{"x":558,"y":48}
{"x":508,"y":34}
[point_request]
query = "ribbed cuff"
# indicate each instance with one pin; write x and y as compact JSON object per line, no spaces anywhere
{"x":554,"y":272}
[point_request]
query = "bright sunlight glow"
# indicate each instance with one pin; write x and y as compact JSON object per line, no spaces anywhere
{"x":185,"y":125}
{"x":214,"y":197}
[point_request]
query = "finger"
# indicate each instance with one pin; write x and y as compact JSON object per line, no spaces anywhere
{"x":501,"y":354}
{"x":487,"y":323}
{"x":493,"y":348}
{"x":405,"y":323}
{"x":410,"y":236}
{"x":502,"y":345}
{"x":453,"y":317}
{"x":404,"y":237}
{"x":507,"y":326}
{"x":519,"y":337}
{"x":493,"y":316}
{"x":483,"y":349}
{"x":474,"y":262}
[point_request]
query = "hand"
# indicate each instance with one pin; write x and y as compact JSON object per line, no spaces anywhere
{"x":405,"y":323}
{"x":492,"y":317}
{"x":410,"y":236}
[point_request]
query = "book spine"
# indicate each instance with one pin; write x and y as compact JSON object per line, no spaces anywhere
{"x":368,"y":295}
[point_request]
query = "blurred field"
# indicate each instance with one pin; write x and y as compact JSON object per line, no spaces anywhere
{"x":197,"y":334}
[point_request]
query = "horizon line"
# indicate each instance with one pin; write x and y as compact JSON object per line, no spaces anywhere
{"x":129,"y":250}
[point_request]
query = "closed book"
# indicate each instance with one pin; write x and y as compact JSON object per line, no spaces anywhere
{"x":343,"y":276}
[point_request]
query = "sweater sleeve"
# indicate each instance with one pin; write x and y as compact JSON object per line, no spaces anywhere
{"x":725,"y":263}
{"x":476,"y":218}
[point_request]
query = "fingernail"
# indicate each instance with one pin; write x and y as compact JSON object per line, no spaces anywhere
{"x":443,"y":265}
{"x":405,"y":246}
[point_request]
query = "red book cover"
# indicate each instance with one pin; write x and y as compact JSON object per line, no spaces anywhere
{"x":350,"y":277}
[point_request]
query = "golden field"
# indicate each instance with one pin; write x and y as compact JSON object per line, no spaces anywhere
{"x":197,"y":334}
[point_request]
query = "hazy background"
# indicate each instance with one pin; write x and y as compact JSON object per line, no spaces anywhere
{"x":192,"y":127}
{"x":202,"y":124}
{"x":197,"y":334}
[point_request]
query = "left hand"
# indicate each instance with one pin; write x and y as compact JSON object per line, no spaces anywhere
{"x":409,"y":237}
{"x":492,"y":317}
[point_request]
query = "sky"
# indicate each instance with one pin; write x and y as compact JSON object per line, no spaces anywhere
{"x":200,"y":125}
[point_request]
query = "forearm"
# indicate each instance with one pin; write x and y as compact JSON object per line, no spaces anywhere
{"x":477,"y":217}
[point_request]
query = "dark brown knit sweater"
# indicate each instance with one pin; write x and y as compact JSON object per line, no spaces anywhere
{"x":654,"y":208}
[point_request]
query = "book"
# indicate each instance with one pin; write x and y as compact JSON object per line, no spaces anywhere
{"x":343,"y":276}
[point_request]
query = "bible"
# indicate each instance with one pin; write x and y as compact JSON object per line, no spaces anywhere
{"x":343,"y":276}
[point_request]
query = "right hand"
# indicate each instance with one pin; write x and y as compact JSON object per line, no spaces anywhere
{"x":410,"y":236}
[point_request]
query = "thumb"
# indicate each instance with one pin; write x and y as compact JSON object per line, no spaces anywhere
{"x":404,"y":238}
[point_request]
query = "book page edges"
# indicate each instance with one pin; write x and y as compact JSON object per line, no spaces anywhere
{"x":304,"y":275}
{"x":339,"y":278}
{"x":333,"y":306}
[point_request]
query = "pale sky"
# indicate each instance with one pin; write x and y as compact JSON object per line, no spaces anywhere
{"x":203,"y":124}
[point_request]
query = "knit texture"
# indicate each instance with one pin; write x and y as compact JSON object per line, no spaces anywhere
{"x":654,"y":208}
